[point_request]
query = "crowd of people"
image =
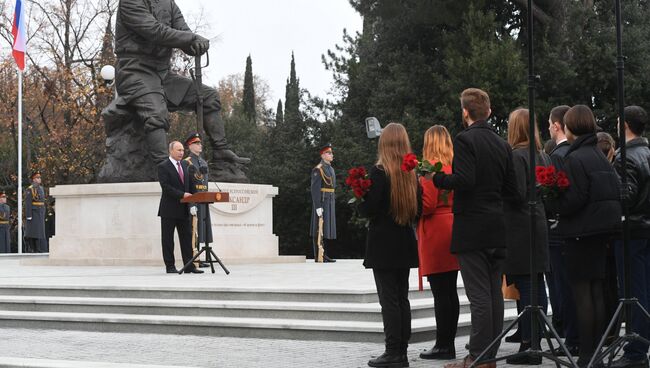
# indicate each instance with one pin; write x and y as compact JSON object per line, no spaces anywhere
{"x":473,"y":216}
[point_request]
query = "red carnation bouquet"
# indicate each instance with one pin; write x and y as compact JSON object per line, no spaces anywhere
{"x":551,"y":181}
{"x":410,"y":162}
{"x":358,"y":181}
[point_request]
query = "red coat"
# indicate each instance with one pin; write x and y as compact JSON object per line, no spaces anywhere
{"x":434,"y":230}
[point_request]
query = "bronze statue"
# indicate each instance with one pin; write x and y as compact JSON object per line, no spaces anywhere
{"x":146,"y":32}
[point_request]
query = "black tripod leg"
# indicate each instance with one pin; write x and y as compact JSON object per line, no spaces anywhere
{"x":208,"y":257}
{"x":497,"y":340}
{"x":548,"y":327}
{"x":191,"y":261}
{"x":598,"y":355}
{"x":220,"y":263}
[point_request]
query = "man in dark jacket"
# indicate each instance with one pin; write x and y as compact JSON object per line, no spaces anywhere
{"x":175,"y":181}
{"x":146,"y":32}
{"x":564,"y":308}
{"x":638,"y":201}
{"x":482,"y":173}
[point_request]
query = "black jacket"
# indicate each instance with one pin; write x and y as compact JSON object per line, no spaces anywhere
{"x":517,"y":214}
{"x":638,"y":182}
{"x":388,"y":245}
{"x":482,"y":173}
{"x":591,"y":204}
{"x":557,"y":157}
{"x":173,"y":190}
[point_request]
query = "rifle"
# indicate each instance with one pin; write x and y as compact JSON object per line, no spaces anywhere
{"x":321,"y":250}
{"x":197,"y":77}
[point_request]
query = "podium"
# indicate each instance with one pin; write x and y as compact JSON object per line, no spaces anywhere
{"x":203,"y":199}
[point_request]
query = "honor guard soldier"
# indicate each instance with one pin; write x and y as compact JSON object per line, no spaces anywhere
{"x":35,"y":240}
{"x":323,"y":184}
{"x":198,"y":170}
{"x":5,"y":227}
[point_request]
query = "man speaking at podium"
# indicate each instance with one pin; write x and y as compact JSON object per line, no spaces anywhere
{"x":175,"y":181}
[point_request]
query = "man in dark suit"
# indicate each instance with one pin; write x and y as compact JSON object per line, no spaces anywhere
{"x":559,"y":285}
{"x":174,"y":178}
{"x":482,"y":173}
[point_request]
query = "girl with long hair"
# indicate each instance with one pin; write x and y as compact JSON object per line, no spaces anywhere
{"x":391,"y":205}
{"x":517,"y":215}
{"x":434,"y":242}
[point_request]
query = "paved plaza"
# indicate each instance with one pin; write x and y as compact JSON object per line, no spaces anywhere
{"x":193,"y":351}
{"x":34,"y":347}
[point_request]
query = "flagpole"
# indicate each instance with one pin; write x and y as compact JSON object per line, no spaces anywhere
{"x":20,"y":162}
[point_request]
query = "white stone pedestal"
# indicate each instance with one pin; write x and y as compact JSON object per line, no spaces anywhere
{"x":117,"y":224}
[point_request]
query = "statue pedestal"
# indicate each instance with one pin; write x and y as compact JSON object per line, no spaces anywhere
{"x":117,"y":224}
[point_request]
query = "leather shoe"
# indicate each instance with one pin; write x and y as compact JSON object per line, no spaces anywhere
{"x":573,"y":350}
{"x":193,"y":270}
{"x":439,"y":353}
{"x":204,"y":264}
{"x":524,"y":360}
{"x":467,"y":362}
{"x":389,"y":360}
{"x":327,"y":259}
{"x":515,"y":337}
{"x":172,"y":270}
{"x":626,"y":362}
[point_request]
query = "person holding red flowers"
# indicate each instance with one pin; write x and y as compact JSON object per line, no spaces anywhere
{"x":589,"y":212}
{"x":434,"y":242}
{"x":391,"y":205}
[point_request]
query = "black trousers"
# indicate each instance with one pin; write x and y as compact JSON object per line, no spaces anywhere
{"x":326,"y":247}
{"x":184,"y":228}
{"x":446,"y":306}
{"x":481,"y":272}
{"x":392,"y":289}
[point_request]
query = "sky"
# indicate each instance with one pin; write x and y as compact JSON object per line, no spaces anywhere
{"x":269,"y":31}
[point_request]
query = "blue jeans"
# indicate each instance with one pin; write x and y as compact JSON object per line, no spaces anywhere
{"x":522,"y":283}
{"x":639,"y":262}
{"x":564,"y":294}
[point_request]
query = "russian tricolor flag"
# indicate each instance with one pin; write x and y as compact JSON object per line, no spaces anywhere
{"x":20,"y":38}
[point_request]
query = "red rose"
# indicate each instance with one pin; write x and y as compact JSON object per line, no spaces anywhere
{"x":353,"y":172}
{"x":409,"y":162}
{"x":358,"y":192}
{"x":539,"y":170}
{"x":348,"y":181}
{"x":550,"y":170}
{"x":362,"y":171}
{"x":365,"y":184}
{"x":563,"y":182}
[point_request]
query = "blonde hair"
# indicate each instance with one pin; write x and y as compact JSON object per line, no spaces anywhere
{"x":518,"y":130}
{"x":393,"y":145}
{"x":438,"y":146}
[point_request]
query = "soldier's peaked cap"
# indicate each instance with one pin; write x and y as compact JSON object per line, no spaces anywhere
{"x":325,"y":148}
{"x":34,"y":174}
{"x":193,"y":138}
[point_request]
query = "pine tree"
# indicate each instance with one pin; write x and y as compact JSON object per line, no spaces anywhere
{"x":279,"y":115}
{"x":248,"y":100}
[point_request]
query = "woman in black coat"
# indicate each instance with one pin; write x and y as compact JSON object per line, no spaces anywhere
{"x":391,"y":205}
{"x":589,"y":212}
{"x":517,"y":214}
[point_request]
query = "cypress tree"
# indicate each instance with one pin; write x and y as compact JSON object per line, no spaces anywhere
{"x":248,"y":100}
{"x":279,"y":115}
{"x":292,"y":96}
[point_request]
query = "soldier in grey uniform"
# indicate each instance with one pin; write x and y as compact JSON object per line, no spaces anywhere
{"x":35,"y":240}
{"x":199,"y":173}
{"x":146,"y":31}
{"x":5,"y":227}
{"x":323,"y":184}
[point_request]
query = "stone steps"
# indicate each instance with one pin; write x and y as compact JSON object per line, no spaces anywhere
{"x":367,"y":312}
{"x":339,"y":315}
